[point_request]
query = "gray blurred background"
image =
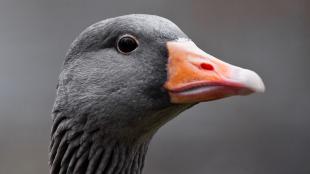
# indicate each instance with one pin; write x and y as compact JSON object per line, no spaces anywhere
{"x":261,"y":134}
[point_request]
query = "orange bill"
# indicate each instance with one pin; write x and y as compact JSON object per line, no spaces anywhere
{"x":195,"y":76}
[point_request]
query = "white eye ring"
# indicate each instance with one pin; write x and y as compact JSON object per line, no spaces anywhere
{"x":127,"y":44}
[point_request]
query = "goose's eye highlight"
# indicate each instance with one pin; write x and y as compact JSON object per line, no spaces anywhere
{"x":127,"y":44}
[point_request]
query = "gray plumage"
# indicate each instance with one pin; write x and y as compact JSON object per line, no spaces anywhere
{"x":109,"y":105}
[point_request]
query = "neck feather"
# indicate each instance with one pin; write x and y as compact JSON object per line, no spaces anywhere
{"x":73,"y":150}
{"x":84,"y":144}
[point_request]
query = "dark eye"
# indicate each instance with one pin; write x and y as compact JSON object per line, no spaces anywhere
{"x":127,"y":44}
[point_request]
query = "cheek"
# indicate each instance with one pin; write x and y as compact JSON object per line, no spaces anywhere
{"x":150,"y":73}
{"x":155,"y":79}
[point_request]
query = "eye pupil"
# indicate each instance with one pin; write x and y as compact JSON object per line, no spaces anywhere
{"x":127,"y":44}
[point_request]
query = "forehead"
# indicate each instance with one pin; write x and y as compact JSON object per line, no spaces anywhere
{"x":140,"y":24}
{"x":104,"y":33}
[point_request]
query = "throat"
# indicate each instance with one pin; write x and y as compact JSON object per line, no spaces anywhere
{"x":77,"y":152}
{"x":90,"y":144}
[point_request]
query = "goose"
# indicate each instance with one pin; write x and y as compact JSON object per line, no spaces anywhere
{"x":122,"y":79}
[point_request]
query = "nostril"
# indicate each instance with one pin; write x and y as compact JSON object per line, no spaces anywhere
{"x":206,"y":66}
